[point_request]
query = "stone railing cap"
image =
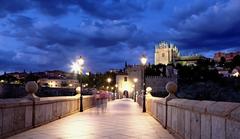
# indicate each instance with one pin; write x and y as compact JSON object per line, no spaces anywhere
{"x":235,"y":114}
{"x":222,"y":108}
{"x":14,"y":102}
{"x":158,"y":99}
{"x":193,"y":105}
{"x":45,"y":100}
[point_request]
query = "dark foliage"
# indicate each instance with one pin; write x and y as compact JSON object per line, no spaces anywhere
{"x":202,"y":82}
{"x":156,"y":70}
{"x":159,"y":94}
{"x":12,"y":91}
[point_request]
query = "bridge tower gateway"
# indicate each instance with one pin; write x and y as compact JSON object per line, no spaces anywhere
{"x":125,"y":81}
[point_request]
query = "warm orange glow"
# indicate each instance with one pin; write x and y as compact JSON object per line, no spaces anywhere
{"x":149,"y":89}
{"x":78,"y":89}
{"x":109,"y":80}
{"x":135,"y":80}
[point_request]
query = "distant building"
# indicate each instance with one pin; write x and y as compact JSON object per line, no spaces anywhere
{"x":18,"y":75}
{"x":114,"y":70}
{"x":236,"y":72}
{"x":125,"y":80}
{"x":228,"y":56}
{"x":165,"y":53}
{"x":127,"y":86}
{"x":55,"y":74}
{"x":190,"y":60}
{"x":58,"y":83}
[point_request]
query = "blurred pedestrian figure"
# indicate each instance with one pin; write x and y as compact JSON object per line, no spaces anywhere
{"x":98,"y":101}
{"x":104,"y":99}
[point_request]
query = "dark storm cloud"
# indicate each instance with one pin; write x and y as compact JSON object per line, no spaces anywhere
{"x":13,"y":6}
{"x":214,"y":27}
{"x":54,"y":7}
{"x":49,"y":34}
{"x":113,"y":9}
{"x":22,"y":22}
{"x":103,"y":34}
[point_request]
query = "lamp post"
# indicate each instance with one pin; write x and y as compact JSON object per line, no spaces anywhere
{"x":77,"y":67}
{"x":144,"y":61}
{"x":109,"y":81}
{"x":116,"y":92}
{"x":135,"y":80}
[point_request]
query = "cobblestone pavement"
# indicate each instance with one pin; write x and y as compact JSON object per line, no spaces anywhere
{"x":122,"y":119}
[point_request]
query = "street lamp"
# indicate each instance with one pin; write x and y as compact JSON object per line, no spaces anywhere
{"x":135,"y":80}
{"x":77,"y":67}
{"x":116,"y":92}
{"x":109,"y":81}
{"x":144,"y":61}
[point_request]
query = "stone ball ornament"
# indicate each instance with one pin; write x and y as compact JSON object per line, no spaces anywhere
{"x":171,"y":87}
{"x":78,"y":90}
{"x":31,"y":87}
{"x":149,"y":89}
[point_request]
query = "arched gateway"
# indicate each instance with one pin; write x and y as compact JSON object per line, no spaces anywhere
{"x":125,"y":93}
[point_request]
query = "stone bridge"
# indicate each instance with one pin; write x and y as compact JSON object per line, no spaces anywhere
{"x":122,"y":119}
{"x":170,"y":117}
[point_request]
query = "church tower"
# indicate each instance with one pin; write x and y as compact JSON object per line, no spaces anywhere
{"x":165,"y":53}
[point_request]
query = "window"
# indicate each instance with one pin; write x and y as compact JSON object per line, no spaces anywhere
{"x":163,"y":55}
{"x":125,"y":79}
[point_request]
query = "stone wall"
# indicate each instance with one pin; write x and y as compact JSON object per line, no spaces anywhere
{"x":158,"y":83}
{"x":17,"y":115}
{"x":193,"y":119}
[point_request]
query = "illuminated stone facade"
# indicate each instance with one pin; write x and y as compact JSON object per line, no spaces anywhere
{"x":58,"y":83}
{"x":165,"y":53}
{"x":125,"y":81}
{"x":127,"y":87}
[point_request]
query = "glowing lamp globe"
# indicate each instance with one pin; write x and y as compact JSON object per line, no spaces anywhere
{"x":143,"y":60}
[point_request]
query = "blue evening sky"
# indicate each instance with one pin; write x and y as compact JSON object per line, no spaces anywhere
{"x":39,"y":35}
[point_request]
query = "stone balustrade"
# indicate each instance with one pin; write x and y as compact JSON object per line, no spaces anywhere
{"x":193,"y":119}
{"x":17,"y":115}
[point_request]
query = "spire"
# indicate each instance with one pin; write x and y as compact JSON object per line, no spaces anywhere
{"x":126,"y":64}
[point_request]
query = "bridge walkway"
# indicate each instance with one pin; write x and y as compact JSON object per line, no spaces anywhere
{"x":123,"y":119}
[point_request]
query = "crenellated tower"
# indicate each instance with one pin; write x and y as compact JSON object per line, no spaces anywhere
{"x":165,"y":53}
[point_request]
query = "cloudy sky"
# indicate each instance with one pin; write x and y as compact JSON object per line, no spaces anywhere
{"x":38,"y":35}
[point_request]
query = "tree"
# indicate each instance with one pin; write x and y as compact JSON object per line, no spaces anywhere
{"x":236,"y":60}
{"x":31,"y":77}
{"x":222,"y":61}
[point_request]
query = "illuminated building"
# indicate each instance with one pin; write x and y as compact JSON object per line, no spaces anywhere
{"x":228,"y":56}
{"x":58,"y":83}
{"x":165,"y":53}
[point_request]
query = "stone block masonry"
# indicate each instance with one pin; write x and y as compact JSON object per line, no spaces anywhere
{"x":17,"y":115}
{"x":193,"y":119}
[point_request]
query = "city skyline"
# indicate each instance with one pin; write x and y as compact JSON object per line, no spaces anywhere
{"x":47,"y":35}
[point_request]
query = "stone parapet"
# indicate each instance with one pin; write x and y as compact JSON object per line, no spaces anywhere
{"x":17,"y":115}
{"x":197,"y":119}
